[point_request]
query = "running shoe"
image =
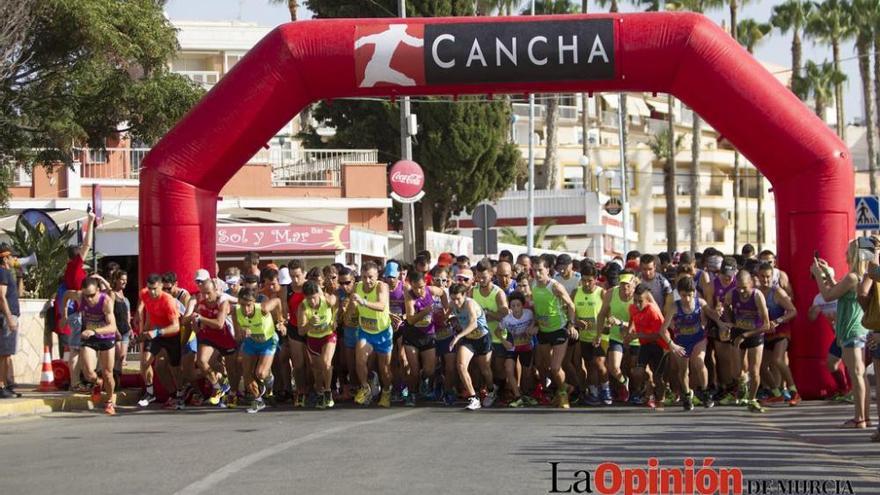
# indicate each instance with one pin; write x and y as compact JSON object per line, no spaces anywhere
{"x":563,"y":400}
{"x":409,"y":401}
{"x":146,"y":399}
{"x":321,"y":403}
{"x":489,"y":399}
{"x":110,"y":409}
{"x":687,"y":402}
{"x":728,"y":400}
{"x":233,"y":401}
{"x":786,"y":395}
{"x":197,"y":400}
{"x":299,"y":400}
{"x":96,"y":392}
{"x":755,"y":407}
{"x":449,"y":398}
{"x":362,"y":396}
{"x":637,"y":400}
{"x":763,"y":394}
{"x":188,"y":393}
{"x":256,"y":406}
{"x":473,"y":403}
{"x":773,"y":399}
{"x":424,"y":387}
{"x":592,"y":400}
{"x":698,"y":401}
{"x":708,"y":401}
{"x":516,"y":403}
{"x":385,"y":399}
{"x":670,"y":400}
{"x":606,"y":395}
{"x":795,"y":399}
{"x":215,"y":399}
{"x":848,"y":398}
{"x":170,"y":404}
{"x":328,"y":400}
{"x":623,"y":388}
{"x":651,"y":404}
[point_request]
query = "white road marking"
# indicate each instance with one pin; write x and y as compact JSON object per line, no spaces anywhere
{"x":230,"y":469}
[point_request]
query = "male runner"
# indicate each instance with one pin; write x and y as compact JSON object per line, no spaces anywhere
{"x":159,"y":321}
{"x":375,"y":334}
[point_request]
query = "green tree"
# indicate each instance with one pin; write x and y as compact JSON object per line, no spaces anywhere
{"x":700,"y":6}
{"x":793,"y":15}
{"x":819,"y":82}
{"x":866,"y":15}
{"x":41,"y":281}
{"x":463,"y":146}
{"x":88,"y":70}
{"x":830,"y":23}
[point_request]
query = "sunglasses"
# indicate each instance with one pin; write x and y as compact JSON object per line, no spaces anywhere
{"x":443,"y":280}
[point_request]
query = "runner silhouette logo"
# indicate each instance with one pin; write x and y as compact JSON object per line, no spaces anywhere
{"x":389,"y":55}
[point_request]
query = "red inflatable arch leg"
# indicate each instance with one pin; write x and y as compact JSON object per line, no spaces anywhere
{"x":679,"y":53}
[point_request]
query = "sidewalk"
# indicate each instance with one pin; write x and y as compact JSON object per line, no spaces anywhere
{"x":33,"y":402}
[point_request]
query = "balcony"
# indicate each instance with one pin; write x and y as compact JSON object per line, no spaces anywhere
{"x":206,"y":78}
{"x":110,"y":165}
{"x":311,"y":168}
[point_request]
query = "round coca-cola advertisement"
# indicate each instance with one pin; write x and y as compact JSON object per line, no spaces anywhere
{"x":407,"y":179}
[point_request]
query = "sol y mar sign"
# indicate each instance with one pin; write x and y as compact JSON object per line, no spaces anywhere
{"x":282,"y":237}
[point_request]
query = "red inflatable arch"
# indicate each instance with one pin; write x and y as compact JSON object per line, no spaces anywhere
{"x":679,"y":53}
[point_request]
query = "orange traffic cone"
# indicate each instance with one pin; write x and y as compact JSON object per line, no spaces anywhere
{"x":47,"y":376}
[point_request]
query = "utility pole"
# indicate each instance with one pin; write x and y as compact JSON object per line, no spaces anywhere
{"x":406,"y":154}
{"x":530,"y":221}
{"x":622,"y":120}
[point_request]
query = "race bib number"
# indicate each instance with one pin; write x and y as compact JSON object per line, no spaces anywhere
{"x":369,"y":324}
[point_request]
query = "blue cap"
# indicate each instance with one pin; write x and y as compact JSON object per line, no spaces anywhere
{"x":392,"y":269}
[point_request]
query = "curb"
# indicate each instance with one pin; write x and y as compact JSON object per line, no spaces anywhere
{"x":64,"y":402}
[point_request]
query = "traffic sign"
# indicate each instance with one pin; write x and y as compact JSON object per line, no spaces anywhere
{"x":484,"y":216}
{"x":867,"y":213}
{"x":613,"y":206}
{"x":484,"y":238}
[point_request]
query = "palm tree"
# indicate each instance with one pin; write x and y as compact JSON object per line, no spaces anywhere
{"x":865,"y":16}
{"x":499,"y":7}
{"x":551,"y":117}
{"x":663,"y":148}
{"x":830,"y":23}
{"x":749,"y":34}
{"x":819,"y":82}
{"x":700,"y":6}
{"x":509,"y":236}
{"x":733,"y":7}
{"x":792,"y":16}
{"x":292,"y":6}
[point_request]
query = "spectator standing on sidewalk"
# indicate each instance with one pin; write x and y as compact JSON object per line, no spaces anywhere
{"x":9,"y":313}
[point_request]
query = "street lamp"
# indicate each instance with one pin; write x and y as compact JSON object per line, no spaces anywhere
{"x":584,"y":162}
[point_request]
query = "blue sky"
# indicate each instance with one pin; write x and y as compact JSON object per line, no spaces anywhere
{"x":776,"y":48}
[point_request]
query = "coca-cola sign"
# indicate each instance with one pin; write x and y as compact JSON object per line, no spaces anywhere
{"x":407,"y":180}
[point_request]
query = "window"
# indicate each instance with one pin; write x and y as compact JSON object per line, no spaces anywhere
{"x":232,"y":59}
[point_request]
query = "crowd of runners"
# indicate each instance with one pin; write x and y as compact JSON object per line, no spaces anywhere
{"x":689,"y":330}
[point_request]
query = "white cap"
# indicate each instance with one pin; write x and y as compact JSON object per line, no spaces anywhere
{"x":284,"y":276}
{"x":202,"y":275}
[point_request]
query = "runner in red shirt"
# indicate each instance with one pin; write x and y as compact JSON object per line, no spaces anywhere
{"x":159,"y":321}
{"x":207,"y":312}
{"x":645,"y":321}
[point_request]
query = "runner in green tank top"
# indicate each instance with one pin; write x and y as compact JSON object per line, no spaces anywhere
{"x":848,"y":329}
{"x":615,"y":315}
{"x":493,"y":300}
{"x":555,"y":326}
{"x":588,"y":299}
{"x":317,"y":322}
{"x":254,"y":325}
{"x":374,"y":334}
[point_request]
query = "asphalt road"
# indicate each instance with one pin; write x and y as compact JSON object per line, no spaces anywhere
{"x":421,"y":450}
